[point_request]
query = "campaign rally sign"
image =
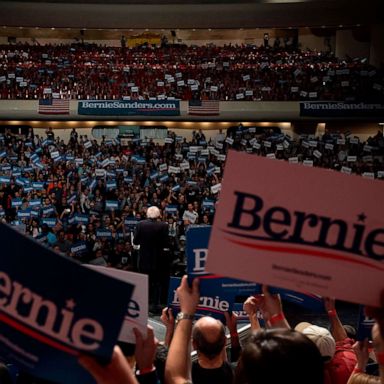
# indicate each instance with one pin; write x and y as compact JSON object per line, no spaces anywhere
{"x":79,"y":248}
{"x":340,"y":109}
{"x":232,"y":290}
{"x":307,"y":236}
{"x":217,"y":293}
{"x":242,"y":316}
{"x":136,"y":315}
{"x":364,"y":326}
{"x":48,"y":316}
{"x":211,"y":304}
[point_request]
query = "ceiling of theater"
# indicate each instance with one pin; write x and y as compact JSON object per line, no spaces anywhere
{"x":124,"y":14}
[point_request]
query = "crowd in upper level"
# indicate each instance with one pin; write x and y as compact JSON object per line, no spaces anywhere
{"x":228,"y":73}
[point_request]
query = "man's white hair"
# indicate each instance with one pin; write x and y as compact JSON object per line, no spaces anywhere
{"x":153,"y":212}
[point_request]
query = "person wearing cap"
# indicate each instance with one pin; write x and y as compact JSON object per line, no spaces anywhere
{"x":335,"y":346}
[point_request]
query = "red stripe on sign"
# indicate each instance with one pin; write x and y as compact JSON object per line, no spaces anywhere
{"x":210,"y":277}
{"x":300,"y":251}
{"x":35,"y":335}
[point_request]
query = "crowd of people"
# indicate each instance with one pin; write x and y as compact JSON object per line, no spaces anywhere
{"x":231,"y":72}
{"x":84,"y":198}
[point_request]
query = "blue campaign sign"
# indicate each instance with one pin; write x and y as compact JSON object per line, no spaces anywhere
{"x":232,"y":290}
{"x":242,"y":316}
{"x":130,"y":223}
{"x":129,"y":107}
{"x":364,"y":326}
{"x":211,"y":303}
{"x":171,"y":209}
{"x":5,"y":180}
{"x":24,"y":214}
{"x":219,"y":293}
{"x":48,"y":210}
{"x":38,"y":185}
{"x":50,"y":221}
{"x":111,"y":204}
{"x":34,"y":203}
{"x":16,"y":202}
{"x":79,"y":248}
{"x":80,"y":218}
{"x":49,"y":315}
{"x":104,"y":233}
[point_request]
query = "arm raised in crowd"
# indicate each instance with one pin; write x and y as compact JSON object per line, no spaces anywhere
{"x":250,"y":308}
{"x":117,"y":371}
{"x":378,"y":334}
{"x":177,"y":368}
{"x":169,"y":321}
{"x":337,"y":330}
{"x":272,"y":309}
{"x":231,"y":322}
{"x":145,"y":353}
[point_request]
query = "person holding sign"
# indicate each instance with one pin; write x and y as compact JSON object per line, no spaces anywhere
{"x":271,"y":356}
{"x":118,"y":371}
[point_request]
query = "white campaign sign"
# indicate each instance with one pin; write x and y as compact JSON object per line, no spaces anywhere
{"x":137,"y":311}
{"x":315,"y":236}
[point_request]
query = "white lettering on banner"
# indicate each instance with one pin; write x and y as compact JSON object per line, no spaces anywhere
{"x":125,"y":105}
{"x":78,"y":248}
{"x":346,"y":170}
{"x":41,"y":314}
{"x":163,"y":167}
{"x":200,"y":259}
{"x":215,"y":188}
{"x":207,"y":302}
{"x":317,"y":154}
{"x":184,"y":166}
{"x":341,"y":106}
{"x":368,"y":175}
{"x":137,"y":310}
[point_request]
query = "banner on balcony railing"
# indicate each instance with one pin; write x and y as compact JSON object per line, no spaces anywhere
{"x":129,"y":107}
{"x":340,"y":109}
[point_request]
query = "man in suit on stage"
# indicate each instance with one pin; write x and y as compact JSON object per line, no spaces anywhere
{"x":152,"y":236}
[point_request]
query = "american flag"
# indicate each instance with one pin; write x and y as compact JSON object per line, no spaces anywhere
{"x":53,"y":107}
{"x":203,"y":107}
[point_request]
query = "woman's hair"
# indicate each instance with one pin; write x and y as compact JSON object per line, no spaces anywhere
{"x":277,"y":356}
{"x":363,"y":378}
